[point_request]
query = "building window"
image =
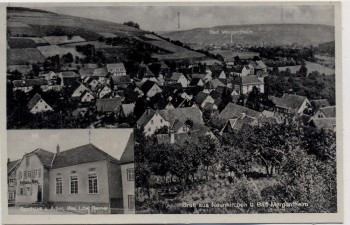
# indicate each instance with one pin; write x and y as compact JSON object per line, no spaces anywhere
{"x":161,"y":120}
{"x":93,"y":189}
{"x":74,"y":184}
{"x":11,"y":195}
{"x":131,"y":202}
{"x":29,"y":191}
{"x":21,"y":192}
{"x":29,"y":174}
{"x":35,"y":173}
{"x":58,"y":185}
{"x":20,"y":175}
{"x":11,"y":182}
{"x":149,"y":129}
{"x":25,"y":174}
{"x":130,"y":174}
{"x":151,"y":121}
{"x":184,"y":128}
{"x":39,"y":172}
{"x":27,"y":161}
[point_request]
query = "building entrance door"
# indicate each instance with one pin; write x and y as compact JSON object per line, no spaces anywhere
{"x":40,"y":194}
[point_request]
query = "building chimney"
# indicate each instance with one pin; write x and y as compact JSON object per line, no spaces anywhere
{"x":8,"y":160}
{"x":243,"y":115}
{"x":148,"y":110}
{"x":172,"y":137}
{"x":58,"y":149}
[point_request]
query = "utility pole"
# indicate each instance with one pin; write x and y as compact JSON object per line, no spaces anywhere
{"x":178,"y":20}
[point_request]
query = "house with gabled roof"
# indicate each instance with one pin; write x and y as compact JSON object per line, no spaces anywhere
{"x":127,"y":110}
{"x":150,"y":88}
{"x":232,"y":111}
{"x":326,"y":112}
{"x":90,"y":184}
{"x":258,"y":66}
{"x":246,"y":84}
{"x":33,"y":177}
{"x":212,"y":85}
{"x":79,"y":90}
{"x":26,"y":85}
{"x":152,"y":120}
{"x":116,"y":69}
{"x":203,"y":98}
{"x":204,"y":77}
{"x":323,"y":123}
{"x":105,"y":90}
{"x":38,"y":105}
{"x":49,"y":76}
{"x":319,"y":103}
{"x":291,"y":104}
{"x":109,"y":105}
{"x":145,"y":72}
{"x":12,"y":180}
{"x":120,"y":81}
{"x":87,"y":97}
{"x":179,"y":78}
{"x":196,"y":82}
{"x":127,"y":166}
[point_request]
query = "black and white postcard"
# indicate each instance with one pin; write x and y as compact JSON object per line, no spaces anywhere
{"x":155,"y":109}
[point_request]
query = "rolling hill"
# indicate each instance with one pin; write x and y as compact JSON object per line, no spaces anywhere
{"x":267,"y":34}
{"x":25,"y":26}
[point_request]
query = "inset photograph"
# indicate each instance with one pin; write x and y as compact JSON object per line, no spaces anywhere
{"x":53,"y":172}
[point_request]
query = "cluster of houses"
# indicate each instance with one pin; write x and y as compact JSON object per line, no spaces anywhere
{"x":95,"y":183}
{"x":105,"y":87}
{"x":111,"y":90}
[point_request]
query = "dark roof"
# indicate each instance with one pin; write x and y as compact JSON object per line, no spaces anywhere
{"x":233,"y":110}
{"x":177,"y":125}
{"x":216,"y":94}
{"x":328,"y":111}
{"x":258,"y":64}
{"x":175,"y":76}
{"x":44,"y":156}
{"x":128,"y":154}
{"x":86,"y":71}
{"x":79,"y":155}
{"x":108,"y":104}
{"x":194,"y":81}
{"x":197,"y":75}
{"x":181,"y":114}
{"x":68,"y":74}
{"x":121,"y":79}
{"x":144,"y":71}
{"x":34,"y":101}
{"x":200,"y":97}
{"x":29,"y":82}
{"x":250,"y":80}
{"x":11,"y":165}
{"x":100,"y":72}
{"x":146,"y":116}
{"x":113,"y":66}
{"x":213,"y":84}
{"x":289,"y":101}
{"x":147,"y":85}
{"x":319,"y":103}
{"x":323,"y":123}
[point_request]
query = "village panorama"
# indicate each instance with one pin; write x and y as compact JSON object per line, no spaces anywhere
{"x":224,"y":122}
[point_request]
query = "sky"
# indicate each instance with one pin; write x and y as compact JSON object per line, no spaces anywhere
{"x":112,"y":141}
{"x":164,"y":17}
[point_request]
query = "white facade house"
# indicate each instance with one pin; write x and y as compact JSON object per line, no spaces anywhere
{"x":38,"y":105}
